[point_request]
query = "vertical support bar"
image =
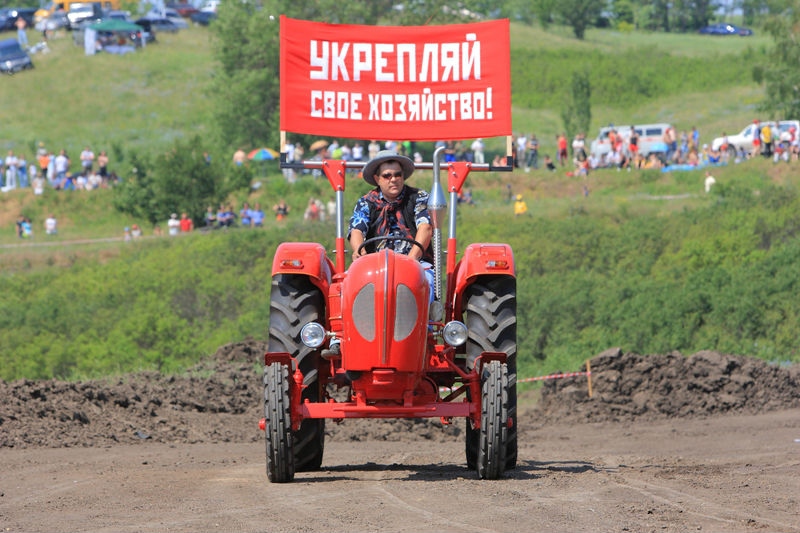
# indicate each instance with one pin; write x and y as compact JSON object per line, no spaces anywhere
{"x":589,"y":375}
{"x":334,"y":170}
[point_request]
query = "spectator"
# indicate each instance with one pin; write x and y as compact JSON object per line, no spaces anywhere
{"x":51,"y":225}
{"x":312,"y":210}
{"x":257,"y":216}
{"x":22,"y":172}
{"x":477,"y":151}
{"x":245,"y":215}
{"x":87,"y":160}
{"x":548,"y":163}
{"x":173,"y":225}
{"x":157,"y":231}
{"x":126,"y":234}
{"x":102,"y":166}
{"x":61,"y":167}
{"x":38,"y":184}
{"x":136,"y":231}
{"x":186,"y":223}
{"x":210,"y":218}
{"x":239,"y":157}
{"x":281,"y":209}
{"x":709,"y":182}
{"x":11,"y":171}
{"x":533,"y":154}
{"x":561,"y":141}
{"x":22,"y":35}
{"x":520,"y":207}
{"x":27,"y":228}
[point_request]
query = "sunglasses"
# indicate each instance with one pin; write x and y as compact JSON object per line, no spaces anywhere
{"x":390,"y":175}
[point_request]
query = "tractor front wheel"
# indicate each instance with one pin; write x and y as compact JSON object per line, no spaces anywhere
{"x":280,"y":444}
{"x":493,"y":434}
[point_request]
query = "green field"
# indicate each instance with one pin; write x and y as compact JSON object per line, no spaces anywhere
{"x":646,"y":261}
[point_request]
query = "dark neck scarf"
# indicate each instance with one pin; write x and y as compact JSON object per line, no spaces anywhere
{"x":385,"y":209}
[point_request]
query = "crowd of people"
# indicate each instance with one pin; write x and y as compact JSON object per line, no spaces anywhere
{"x":53,"y":170}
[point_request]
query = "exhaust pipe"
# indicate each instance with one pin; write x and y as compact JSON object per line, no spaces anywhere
{"x":436,"y":208}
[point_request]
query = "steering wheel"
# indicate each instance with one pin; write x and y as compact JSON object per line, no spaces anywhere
{"x":389,"y":238}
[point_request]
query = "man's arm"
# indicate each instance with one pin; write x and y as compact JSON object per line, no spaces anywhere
{"x":424,"y":234}
{"x":356,"y":239}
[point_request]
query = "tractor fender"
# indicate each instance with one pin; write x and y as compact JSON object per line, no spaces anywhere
{"x":480,"y":259}
{"x":304,"y":259}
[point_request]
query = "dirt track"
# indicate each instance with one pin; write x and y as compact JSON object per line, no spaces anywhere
{"x":137,"y":455}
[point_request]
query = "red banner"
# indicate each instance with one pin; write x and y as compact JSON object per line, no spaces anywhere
{"x":416,"y":83}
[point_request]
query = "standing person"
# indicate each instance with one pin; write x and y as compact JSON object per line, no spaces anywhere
{"x":87,"y":159}
{"x":11,"y":171}
{"x":522,"y":145}
{"x":756,"y":138}
{"x":186,"y":223}
{"x":61,"y":167}
{"x":173,"y":225}
{"x":102,"y":166}
{"x":477,"y":151}
{"x":561,"y":141}
{"x":22,"y":35}
{"x":633,"y":145}
{"x":239,"y":157}
{"x":533,"y":153}
{"x":22,"y":171}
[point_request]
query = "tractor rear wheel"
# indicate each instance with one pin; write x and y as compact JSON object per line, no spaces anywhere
{"x":493,"y":434}
{"x":280,"y":453}
{"x":490,"y":314}
{"x":294,"y":302}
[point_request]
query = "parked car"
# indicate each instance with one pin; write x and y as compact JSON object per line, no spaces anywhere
{"x":84,"y":11}
{"x":13,"y":58}
{"x":723,"y":28}
{"x":743,"y":141}
{"x":9,"y":16}
{"x":168,"y":13}
{"x":210,"y":6}
{"x":184,"y":10}
{"x":157,"y":25}
{"x":54,"y":22}
{"x":203,"y":18}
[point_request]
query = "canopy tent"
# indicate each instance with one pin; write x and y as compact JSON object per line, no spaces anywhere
{"x":115,"y":25}
{"x":133,"y":33}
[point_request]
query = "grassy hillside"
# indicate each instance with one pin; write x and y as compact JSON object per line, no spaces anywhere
{"x":646,"y":261}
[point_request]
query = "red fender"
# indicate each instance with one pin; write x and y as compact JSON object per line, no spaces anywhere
{"x":306,"y":259}
{"x":482,"y":259}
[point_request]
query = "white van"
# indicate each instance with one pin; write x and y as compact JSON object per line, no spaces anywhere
{"x":651,"y":139}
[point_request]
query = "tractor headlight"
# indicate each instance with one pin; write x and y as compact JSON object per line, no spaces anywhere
{"x":312,"y":335}
{"x":455,"y":333}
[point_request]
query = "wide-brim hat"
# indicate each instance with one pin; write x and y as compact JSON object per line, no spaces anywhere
{"x":368,"y":173}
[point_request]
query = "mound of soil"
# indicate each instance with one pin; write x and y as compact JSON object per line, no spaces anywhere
{"x":627,"y":386}
{"x":220,"y":400}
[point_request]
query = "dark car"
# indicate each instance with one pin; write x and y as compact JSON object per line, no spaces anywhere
{"x":157,"y":25}
{"x":184,"y":10}
{"x":12,"y":57}
{"x":723,"y":28}
{"x":203,"y":18}
{"x":9,"y":16}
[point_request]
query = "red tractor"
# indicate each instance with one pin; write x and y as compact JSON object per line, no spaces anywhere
{"x":370,"y":342}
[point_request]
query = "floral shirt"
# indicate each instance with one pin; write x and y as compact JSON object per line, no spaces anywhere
{"x":388,"y":219}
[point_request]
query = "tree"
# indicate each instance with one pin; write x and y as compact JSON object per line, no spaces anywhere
{"x":780,"y":75}
{"x":178,"y":180}
{"x":579,"y":14}
{"x":577,"y":111}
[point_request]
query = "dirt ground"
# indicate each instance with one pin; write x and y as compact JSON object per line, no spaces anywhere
{"x":709,"y":442}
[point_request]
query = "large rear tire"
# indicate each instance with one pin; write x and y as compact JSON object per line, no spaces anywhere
{"x":294,"y":302}
{"x":490,"y":314}
{"x":280,"y":453}
{"x":493,"y":435}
